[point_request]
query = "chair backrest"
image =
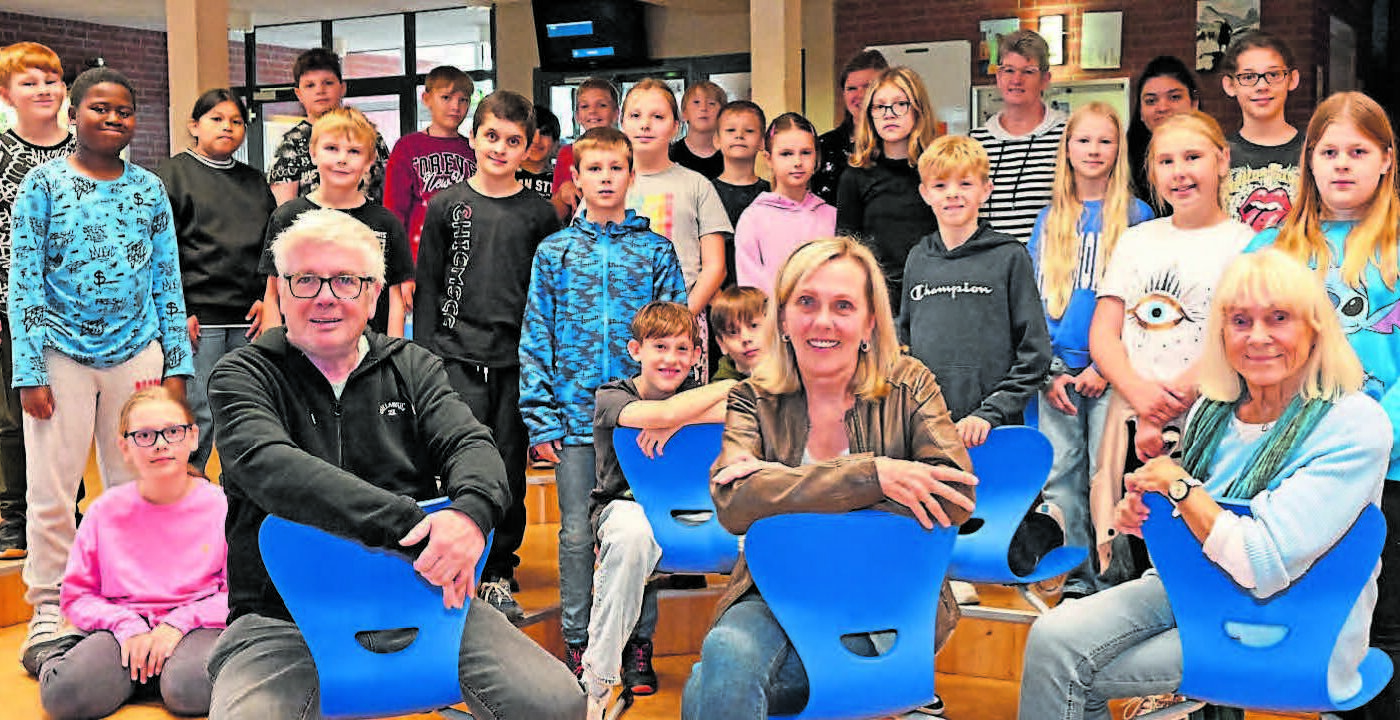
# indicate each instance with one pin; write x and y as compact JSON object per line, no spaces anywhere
{"x":1011,"y":468}
{"x":677,"y":483}
{"x":803,"y":565}
{"x":1273,"y":653}
{"x":335,"y":588}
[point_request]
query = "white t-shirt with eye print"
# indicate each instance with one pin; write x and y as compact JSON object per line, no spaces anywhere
{"x":1166,"y":277}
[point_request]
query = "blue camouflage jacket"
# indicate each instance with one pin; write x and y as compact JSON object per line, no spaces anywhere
{"x":587,"y":283}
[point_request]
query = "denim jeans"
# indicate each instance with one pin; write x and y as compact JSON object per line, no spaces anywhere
{"x":214,"y":343}
{"x":627,"y":555}
{"x":262,"y":669}
{"x":1118,"y":643}
{"x":1076,"y":441}
{"x":748,"y":668}
{"x":573,"y":480}
{"x":90,"y":681}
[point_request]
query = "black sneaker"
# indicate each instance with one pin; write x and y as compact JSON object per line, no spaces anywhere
{"x":13,"y":546}
{"x":934,"y":708}
{"x":638,"y":676}
{"x":573,"y":657}
{"x":497,"y":594}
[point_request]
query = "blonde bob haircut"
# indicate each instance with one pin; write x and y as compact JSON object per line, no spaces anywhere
{"x":778,"y":373}
{"x":350,"y":123}
{"x":1272,"y":277}
{"x":1200,"y":124}
{"x":333,"y":228}
{"x":869,"y":146}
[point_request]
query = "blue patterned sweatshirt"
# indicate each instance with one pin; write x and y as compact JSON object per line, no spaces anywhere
{"x":1370,"y":317}
{"x":587,"y":284}
{"x":95,"y":273}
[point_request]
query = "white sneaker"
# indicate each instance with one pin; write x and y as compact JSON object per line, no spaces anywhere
{"x":47,"y":634}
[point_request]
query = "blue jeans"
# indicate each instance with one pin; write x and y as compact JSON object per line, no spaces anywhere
{"x":748,"y":668}
{"x":1119,"y":643}
{"x":214,"y":343}
{"x":262,"y":669}
{"x":1076,"y":441}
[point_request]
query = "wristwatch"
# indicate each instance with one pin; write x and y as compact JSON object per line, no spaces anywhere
{"x":1180,"y":488}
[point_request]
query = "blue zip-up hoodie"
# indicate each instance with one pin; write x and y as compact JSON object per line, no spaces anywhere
{"x":587,"y":283}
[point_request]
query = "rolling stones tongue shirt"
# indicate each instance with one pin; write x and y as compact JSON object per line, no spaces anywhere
{"x":1165,"y":277}
{"x":1262,"y":180}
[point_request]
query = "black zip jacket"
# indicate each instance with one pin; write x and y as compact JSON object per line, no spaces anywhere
{"x":355,"y":466}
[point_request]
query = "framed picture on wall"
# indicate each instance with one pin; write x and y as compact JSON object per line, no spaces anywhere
{"x":992,"y":30}
{"x":1217,"y":22}
{"x":1101,"y":41}
{"x":1052,"y":28}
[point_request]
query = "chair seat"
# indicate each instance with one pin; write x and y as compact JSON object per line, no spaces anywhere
{"x":803,"y":566}
{"x":1284,"y":670}
{"x":334,"y":588}
{"x":1011,"y":468}
{"x":673,"y":488}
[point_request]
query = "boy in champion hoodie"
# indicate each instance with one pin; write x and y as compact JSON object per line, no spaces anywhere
{"x":587,"y":283}
{"x":1022,"y":138}
{"x":972,"y":313}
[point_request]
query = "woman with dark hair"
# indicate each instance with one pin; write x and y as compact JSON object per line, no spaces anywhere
{"x":221,"y":207}
{"x":1166,"y":87}
{"x":838,"y":143}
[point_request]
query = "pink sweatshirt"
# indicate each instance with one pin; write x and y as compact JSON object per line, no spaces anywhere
{"x":135,"y":564}
{"x":770,"y":229}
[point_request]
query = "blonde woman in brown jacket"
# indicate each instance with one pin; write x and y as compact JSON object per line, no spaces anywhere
{"x":835,"y":419}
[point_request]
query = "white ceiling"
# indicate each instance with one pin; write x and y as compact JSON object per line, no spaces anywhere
{"x":150,"y":14}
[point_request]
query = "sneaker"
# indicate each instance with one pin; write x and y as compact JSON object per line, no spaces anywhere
{"x":496,"y":593}
{"x":638,"y":676}
{"x":964,"y":593}
{"x":934,"y":708}
{"x":47,"y":635}
{"x":13,"y":546}
{"x":573,"y":658}
{"x":1148,"y":704}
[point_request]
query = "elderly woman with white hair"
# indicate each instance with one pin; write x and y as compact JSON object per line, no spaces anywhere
{"x":1282,"y":424}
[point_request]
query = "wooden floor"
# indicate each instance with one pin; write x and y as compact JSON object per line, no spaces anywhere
{"x":979,"y":669}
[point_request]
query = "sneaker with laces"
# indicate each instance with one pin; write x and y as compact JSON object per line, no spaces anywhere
{"x":13,"y":545}
{"x":638,"y":676}
{"x":573,"y":658}
{"x":933,"y":709}
{"x":47,"y":635}
{"x":1148,"y":704}
{"x":496,"y":593}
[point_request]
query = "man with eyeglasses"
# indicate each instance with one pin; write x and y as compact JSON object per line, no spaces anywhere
{"x":1266,"y":152}
{"x":1022,"y":138}
{"x":331,"y":425}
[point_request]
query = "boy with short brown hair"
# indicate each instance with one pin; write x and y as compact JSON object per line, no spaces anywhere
{"x":736,"y":317}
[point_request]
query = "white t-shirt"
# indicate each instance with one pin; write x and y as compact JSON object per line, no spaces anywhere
{"x":683,"y":206}
{"x":1166,"y":277}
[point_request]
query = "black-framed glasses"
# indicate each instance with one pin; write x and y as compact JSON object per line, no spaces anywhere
{"x":344,"y":287}
{"x":147,"y":438}
{"x":1250,"y":79}
{"x":894,"y":109}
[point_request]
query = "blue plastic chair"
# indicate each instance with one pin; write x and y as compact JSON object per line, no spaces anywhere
{"x":335,"y":587}
{"x":1011,"y":468}
{"x":802,"y":565}
{"x":1291,"y":673}
{"x":674,"y":483}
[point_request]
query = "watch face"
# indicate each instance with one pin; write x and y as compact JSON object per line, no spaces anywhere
{"x":1178,"y":490}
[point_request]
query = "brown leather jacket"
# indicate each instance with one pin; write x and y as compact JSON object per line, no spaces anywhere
{"x":910,"y":423}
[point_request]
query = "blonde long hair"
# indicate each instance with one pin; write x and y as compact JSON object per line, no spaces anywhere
{"x":1059,"y":246}
{"x":1202,"y":125}
{"x":778,"y":373}
{"x":869,"y":146}
{"x":1373,"y":240}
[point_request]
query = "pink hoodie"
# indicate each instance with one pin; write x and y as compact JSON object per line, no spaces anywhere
{"x":770,"y":229}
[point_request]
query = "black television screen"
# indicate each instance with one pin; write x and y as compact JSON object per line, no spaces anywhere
{"x":590,"y":33}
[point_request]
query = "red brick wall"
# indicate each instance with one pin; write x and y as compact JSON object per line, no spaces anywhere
{"x":1150,"y":28}
{"x":138,"y":54}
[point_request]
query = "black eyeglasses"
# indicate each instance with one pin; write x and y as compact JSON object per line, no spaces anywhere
{"x":147,"y":438}
{"x":344,"y":287}
{"x":1250,"y":79}
{"x":896,"y":109}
